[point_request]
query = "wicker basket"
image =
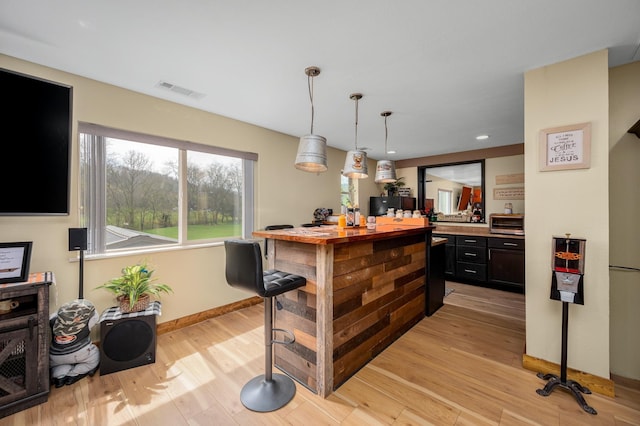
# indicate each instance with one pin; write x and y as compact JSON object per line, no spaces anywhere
{"x":141,"y":304}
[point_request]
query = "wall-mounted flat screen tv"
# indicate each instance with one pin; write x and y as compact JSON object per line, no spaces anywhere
{"x":35,"y":130}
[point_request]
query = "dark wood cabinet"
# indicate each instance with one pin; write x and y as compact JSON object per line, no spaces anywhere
{"x":449,"y":256}
{"x":471,"y":258}
{"x":24,"y":344}
{"x":506,"y":262}
{"x":434,"y":297}
{"x":493,"y":261}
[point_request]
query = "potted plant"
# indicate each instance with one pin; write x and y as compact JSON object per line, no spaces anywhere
{"x":134,"y":287}
{"x":392,"y":187}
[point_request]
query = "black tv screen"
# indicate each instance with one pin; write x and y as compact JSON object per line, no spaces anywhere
{"x":35,"y":129}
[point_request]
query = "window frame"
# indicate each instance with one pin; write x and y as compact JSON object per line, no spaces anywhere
{"x":97,"y":226}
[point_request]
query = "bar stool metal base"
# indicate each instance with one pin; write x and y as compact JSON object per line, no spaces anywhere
{"x":264,"y":395}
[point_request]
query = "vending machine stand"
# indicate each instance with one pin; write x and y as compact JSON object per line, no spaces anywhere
{"x":554,"y":381}
{"x":567,"y":285}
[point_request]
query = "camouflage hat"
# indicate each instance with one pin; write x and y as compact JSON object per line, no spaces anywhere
{"x":73,"y":317}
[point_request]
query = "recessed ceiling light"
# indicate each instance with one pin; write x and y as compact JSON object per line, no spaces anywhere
{"x":391,"y":151}
{"x":482,"y":137}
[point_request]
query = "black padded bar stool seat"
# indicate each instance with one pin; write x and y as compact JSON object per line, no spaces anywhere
{"x":269,"y":391}
{"x":277,"y":282}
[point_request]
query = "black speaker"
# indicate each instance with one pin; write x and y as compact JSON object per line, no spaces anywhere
{"x":127,"y":343}
{"x":77,"y":239}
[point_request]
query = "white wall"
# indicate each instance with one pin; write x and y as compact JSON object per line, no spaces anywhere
{"x":568,"y":201}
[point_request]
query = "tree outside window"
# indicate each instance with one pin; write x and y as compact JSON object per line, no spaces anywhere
{"x":131,"y":193}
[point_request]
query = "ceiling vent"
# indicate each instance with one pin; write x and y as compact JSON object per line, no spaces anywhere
{"x":180,"y":90}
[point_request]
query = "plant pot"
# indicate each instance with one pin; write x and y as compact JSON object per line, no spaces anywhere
{"x":140,"y":305}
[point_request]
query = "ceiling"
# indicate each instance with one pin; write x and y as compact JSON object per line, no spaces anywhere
{"x":448,"y":70}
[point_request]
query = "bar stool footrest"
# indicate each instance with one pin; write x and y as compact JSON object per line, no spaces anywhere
{"x":289,"y":334}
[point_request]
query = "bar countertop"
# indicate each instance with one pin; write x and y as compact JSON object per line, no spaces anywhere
{"x":323,"y":235}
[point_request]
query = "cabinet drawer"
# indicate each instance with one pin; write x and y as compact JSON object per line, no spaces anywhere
{"x":471,"y":271}
{"x":506,"y":243}
{"x":471,"y":241}
{"x":471,"y":254}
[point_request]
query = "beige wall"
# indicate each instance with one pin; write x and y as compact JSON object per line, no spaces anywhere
{"x":624,"y":225}
{"x":283,"y":195}
{"x":560,"y":202}
{"x":493,"y":167}
{"x":436,"y":184}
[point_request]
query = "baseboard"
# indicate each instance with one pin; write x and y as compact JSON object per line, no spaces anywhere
{"x":626,"y":382}
{"x":179,"y":323}
{"x":594,"y":383}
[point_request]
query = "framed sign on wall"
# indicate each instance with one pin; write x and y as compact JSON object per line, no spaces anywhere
{"x":566,"y":147}
{"x":14,"y":262}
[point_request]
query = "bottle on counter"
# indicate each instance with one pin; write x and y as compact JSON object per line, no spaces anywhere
{"x":342,"y":221}
{"x":356,"y":215}
{"x":350,"y":216}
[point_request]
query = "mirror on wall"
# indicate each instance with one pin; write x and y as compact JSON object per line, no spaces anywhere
{"x":455,"y":191}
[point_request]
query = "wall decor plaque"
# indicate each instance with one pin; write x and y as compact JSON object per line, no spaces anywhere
{"x":515,"y":193}
{"x":565,"y":148}
{"x":511,"y":178}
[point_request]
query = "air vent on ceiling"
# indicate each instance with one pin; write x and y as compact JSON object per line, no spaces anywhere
{"x":180,"y":90}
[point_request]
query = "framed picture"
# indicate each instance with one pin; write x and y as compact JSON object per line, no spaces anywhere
{"x":14,"y":262}
{"x":566,"y":147}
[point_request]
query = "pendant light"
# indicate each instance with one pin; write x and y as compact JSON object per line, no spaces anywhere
{"x":312,"y":149}
{"x":385,"y":169}
{"x":355,"y":165}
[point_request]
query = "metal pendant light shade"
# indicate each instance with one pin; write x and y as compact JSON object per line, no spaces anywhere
{"x":385,"y":169}
{"x":355,"y":165}
{"x":312,"y":154}
{"x":312,"y":149}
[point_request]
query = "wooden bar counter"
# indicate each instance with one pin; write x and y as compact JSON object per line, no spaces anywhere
{"x":365,"y":288}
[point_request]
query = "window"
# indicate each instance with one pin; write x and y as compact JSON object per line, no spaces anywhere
{"x":444,"y":201}
{"x":348,"y":191}
{"x":139,"y":191}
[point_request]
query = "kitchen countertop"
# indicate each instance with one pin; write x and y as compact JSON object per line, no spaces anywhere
{"x":331,"y":234}
{"x":479,"y":230}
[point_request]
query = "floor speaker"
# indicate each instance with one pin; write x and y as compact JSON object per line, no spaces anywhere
{"x":127,"y":343}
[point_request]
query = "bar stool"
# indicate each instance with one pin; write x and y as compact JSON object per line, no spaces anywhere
{"x":269,"y":391}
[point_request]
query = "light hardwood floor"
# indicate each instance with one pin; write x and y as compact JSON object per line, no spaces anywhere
{"x":461,"y":366}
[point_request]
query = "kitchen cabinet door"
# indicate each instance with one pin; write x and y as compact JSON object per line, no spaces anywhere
{"x":506,"y":262}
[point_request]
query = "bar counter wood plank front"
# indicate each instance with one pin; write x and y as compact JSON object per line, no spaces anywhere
{"x":365,"y":288}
